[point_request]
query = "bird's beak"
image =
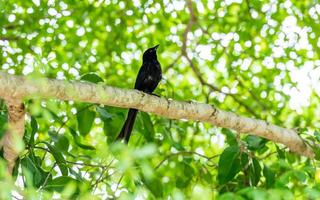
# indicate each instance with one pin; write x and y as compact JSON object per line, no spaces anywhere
{"x":156,"y":47}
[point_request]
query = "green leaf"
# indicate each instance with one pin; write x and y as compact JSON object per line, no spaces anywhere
{"x":253,"y":193}
{"x":76,"y":174}
{"x":291,"y":157}
{"x":3,"y":122}
{"x":148,"y":132}
{"x":206,"y":175}
{"x":229,"y":195}
{"x":280,"y":152}
{"x":34,"y":126}
{"x":59,"y":183}
{"x":62,"y":143}
{"x":61,"y":162}
{"x":231,"y":137}
{"x":32,"y":172}
{"x":317,"y":153}
{"x":283,"y":194}
{"x":254,"y":142}
{"x":300,"y":175}
{"x":229,"y":164}
{"x":85,"y":120}
{"x":244,"y":161}
{"x":255,"y":172}
{"x":91,"y":77}
{"x":103,"y":112}
{"x":155,"y":186}
{"x":317,"y":135}
{"x":112,"y":126}
{"x":78,"y":142}
{"x":269,"y":176}
{"x":15,"y":170}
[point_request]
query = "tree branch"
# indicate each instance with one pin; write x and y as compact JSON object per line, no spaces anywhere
{"x":15,"y":131}
{"x":20,"y":87}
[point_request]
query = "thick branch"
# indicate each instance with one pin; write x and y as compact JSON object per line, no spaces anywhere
{"x":12,"y":139}
{"x":19,"y":87}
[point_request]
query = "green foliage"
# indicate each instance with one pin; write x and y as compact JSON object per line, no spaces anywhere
{"x":229,"y":164}
{"x":255,"y":58}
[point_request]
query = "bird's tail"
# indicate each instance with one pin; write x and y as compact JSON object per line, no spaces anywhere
{"x":128,"y":125}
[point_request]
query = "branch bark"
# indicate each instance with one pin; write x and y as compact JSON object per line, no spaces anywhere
{"x":14,"y":134}
{"x":20,"y":87}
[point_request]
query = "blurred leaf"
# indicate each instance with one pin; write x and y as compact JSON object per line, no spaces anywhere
{"x":112,"y":126}
{"x":59,"y":158}
{"x":58,"y":184}
{"x":280,"y":152}
{"x":62,"y":143}
{"x":253,"y":193}
{"x":300,"y":175}
{"x":317,"y":153}
{"x":85,"y":120}
{"x":148,"y":132}
{"x":229,"y":195}
{"x":255,"y":172}
{"x":16,"y":168}
{"x":244,"y":160}
{"x":283,"y":194}
{"x":145,"y":151}
{"x":34,"y":175}
{"x":269,"y":176}
{"x":105,"y":115}
{"x":207,"y":176}
{"x":155,"y":186}
{"x":255,"y":142}
{"x":317,"y":135}
{"x":34,"y":126}
{"x":77,"y":140}
{"x":3,"y":122}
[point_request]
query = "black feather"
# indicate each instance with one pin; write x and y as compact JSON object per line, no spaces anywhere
{"x":148,"y":78}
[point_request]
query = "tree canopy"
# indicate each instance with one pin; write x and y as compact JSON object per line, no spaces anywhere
{"x":259,"y":59}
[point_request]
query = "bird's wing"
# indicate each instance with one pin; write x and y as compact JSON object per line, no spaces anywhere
{"x":140,"y":78}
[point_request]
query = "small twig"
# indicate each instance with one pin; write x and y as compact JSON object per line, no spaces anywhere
{"x":47,"y":178}
{"x":271,"y":153}
{"x":172,"y":64}
{"x":251,"y":93}
{"x":10,"y":26}
{"x":192,"y":20}
{"x":119,"y":181}
{"x":86,"y":164}
{"x":104,"y":170}
{"x":75,"y":163}
{"x":185,"y":153}
{"x":64,"y":123}
{"x":15,"y":197}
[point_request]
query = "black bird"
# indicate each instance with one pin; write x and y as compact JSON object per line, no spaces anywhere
{"x":147,"y":80}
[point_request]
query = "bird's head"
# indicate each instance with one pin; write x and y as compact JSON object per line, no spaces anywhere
{"x":150,"y":53}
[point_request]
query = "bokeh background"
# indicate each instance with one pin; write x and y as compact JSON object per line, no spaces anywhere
{"x":259,"y":59}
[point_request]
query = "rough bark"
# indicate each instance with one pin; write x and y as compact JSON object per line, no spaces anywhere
{"x":13,"y":137}
{"x":19,"y":87}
